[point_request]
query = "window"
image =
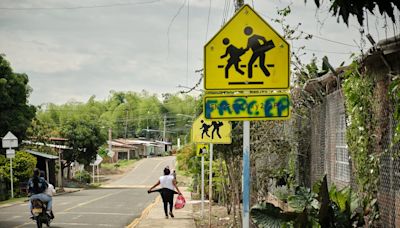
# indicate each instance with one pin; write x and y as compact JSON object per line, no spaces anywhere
{"x":342,"y":167}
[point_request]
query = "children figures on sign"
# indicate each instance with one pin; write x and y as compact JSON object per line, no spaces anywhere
{"x":258,"y":45}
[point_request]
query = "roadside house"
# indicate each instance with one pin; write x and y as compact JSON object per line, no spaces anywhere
{"x":47,"y":163}
{"x":125,"y":149}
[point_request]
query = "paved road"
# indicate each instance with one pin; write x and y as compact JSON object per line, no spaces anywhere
{"x":115,"y":206}
{"x":145,"y":173}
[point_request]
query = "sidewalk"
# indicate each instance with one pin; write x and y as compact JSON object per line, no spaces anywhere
{"x":153,"y":216}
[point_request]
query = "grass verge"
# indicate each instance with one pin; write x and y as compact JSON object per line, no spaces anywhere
{"x":13,"y":201}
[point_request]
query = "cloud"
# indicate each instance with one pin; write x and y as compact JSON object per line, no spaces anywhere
{"x":40,"y":55}
{"x":74,"y":54}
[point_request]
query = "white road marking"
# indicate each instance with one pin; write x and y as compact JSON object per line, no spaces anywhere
{"x":126,"y":186}
{"x":72,"y":224}
{"x":77,"y":217}
{"x":94,"y":213}
{"x":91,"y":201}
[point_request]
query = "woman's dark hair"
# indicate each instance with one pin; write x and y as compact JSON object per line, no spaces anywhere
{"x":166,"y":171}
{"x":35,"y":179}
{"x":36,"y":172}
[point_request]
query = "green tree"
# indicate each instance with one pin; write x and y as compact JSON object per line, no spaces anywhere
{"x":15,"y":113}
{"x":84,"y":137}
{"x":357,"y":8}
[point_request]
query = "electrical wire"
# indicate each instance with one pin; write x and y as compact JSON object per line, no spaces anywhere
{"x":322,"y":51}
{"x":316,"y":36}
{"x":80,"y":7}
{"x":187,"y":42}
{"x":332,"y":41}
{"x":208,"y":20}
{"x":172,"y":21}
{"x":224,"y":13}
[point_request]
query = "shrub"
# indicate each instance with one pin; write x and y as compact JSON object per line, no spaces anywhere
{"x":23,"y":165}
{"x":82,"y":176}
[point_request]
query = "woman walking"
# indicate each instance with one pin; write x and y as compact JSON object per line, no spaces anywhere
{"x":167,"y":191}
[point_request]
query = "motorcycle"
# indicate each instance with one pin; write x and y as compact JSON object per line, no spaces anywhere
{"x":39,"y":213}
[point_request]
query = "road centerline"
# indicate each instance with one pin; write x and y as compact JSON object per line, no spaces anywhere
{"x":91,"y":201}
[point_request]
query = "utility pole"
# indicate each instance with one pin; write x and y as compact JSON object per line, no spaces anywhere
{"x":60,"y":172}
{"x":147,"y":120}
{"x":126,"y":123}
{"x":165,"y":125}
{"x":246,"y":159}
{"x":239,"y":4}
{"x":110,"y":143}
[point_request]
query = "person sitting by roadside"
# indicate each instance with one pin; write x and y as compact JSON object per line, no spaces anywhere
{"x":36,"y":188}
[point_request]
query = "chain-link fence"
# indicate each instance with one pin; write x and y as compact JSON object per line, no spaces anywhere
{"x":329,"y":155}
{"x":389,"y":187}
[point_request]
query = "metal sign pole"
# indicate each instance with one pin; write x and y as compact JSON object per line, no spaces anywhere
{"x":10,"y":141}
{"x":93,"y":174}
{"x":98,"y":174}
{"x":246,"y":174}
{"x":11,"y":175}
{"x":202,"y":186}
{"x":210,"y":186}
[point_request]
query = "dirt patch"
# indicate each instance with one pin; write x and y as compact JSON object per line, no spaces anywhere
{"x":109,"y":172}
{"x":116,"y":171}
{"x":219,"y":217}
{"x":117,"y":168}
{"x":183,"y":181}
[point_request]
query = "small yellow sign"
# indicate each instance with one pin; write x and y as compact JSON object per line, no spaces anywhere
{"x":247,"y":107}
{"x":246,"y":54}
{"x":207,"y":131}
{"x":202,"y":149}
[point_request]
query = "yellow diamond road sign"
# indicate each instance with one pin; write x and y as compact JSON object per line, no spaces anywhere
{"x":246,"y":53}
{"x":211,"y":131}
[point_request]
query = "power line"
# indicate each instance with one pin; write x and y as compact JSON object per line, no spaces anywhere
{"x":333,"y":41}
{"x":225,"y":12}
{"x":80,"y":7}
{"x":173,"y":19}
{"x":208,"y":20}
{"x":322,"y":51}
{"x":187,"y":42}
{"x":316,"y":36}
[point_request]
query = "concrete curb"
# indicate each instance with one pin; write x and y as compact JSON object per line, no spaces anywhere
{"x":69,"y":191}
{"x":144,"y":214}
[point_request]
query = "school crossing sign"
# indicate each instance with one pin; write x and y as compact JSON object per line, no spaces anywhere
{"x":246,"y":54}
{"x":201,"y":149}
{"x":207,"y":131}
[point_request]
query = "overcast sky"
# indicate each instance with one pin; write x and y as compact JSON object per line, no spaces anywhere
{"x":80,"y":48}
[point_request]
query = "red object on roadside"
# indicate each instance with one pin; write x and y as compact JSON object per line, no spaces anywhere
{"x":180,"y":202}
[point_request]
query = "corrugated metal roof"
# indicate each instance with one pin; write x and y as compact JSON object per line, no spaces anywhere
{"x":134,"y":141}
{"x":121,"y":144}
{"x":44,"y":155}
{"x":163,"y":142}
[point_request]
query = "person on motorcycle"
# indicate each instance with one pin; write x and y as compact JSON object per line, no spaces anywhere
{"x":36,"y":188}
{"x":50,"y":191}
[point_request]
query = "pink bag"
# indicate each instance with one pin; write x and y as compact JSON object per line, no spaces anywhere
{"x":180,"y":202}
